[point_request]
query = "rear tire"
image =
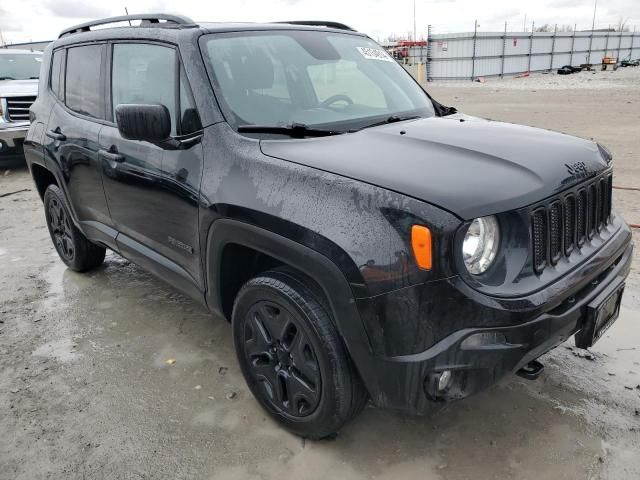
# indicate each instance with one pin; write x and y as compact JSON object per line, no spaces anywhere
{"x":293,"y":358}
{"x":74,"y":249}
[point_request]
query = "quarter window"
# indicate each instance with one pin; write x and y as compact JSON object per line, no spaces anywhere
{"x":57,"y":73}
{"x":84,"y":81}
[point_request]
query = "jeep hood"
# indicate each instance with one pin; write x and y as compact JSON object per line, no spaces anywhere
{"x":17,"y":88}
{"x":469,"y":166}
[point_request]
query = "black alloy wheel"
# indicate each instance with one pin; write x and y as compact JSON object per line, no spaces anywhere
{"x":282,"y":359}
{"x":292,"y":356}
{"x":74,"y":249}
{"x":61,"y":232}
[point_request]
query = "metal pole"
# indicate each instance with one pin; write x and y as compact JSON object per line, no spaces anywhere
{"x":473,"y":58}
{"x":573,"y":44}
{"x":428,"y":63}
{"x":553,"y":45}
{"x":619,"y":43}
{"x":633,"y":38}
{"x":504,"y":47}
{"x":533,"y":27}
{"x":606,"y":45}
{"x":420,"y":66}
{"x":415,"y":38}
{"x":593,"y":26}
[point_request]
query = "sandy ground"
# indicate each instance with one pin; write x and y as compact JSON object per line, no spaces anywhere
{"x":85,"y":390}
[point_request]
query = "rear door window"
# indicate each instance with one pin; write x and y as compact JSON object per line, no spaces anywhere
{"x":84,"y":84}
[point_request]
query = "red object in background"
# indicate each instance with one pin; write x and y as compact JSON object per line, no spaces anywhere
{"x":411,"y":43}
{"x":401,"y":49}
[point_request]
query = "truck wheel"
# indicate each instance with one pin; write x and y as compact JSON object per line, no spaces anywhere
{"x":292,"y":357}
{"x":74,"y":249}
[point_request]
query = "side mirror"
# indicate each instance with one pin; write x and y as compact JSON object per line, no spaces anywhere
{"x":151,"y":123}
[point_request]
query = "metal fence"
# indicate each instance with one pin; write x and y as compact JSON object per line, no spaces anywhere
{"x":467,"y":56}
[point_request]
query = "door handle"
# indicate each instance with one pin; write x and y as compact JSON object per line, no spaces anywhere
{"x":57,"y":135}
{"x":111,"y":156}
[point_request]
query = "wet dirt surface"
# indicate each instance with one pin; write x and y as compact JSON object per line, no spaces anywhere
{"x":87,"y":388}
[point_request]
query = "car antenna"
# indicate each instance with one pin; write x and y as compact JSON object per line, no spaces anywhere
{"x":126,"y":10}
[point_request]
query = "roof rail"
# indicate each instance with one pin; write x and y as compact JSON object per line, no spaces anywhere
{"x":147,"y":19}
{"x":319,"y":23}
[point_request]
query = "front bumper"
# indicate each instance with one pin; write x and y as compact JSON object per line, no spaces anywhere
{"x":12,"y":137}
{"x":410,"y":382}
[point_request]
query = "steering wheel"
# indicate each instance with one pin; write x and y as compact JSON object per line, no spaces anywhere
{"x":336,"y":98}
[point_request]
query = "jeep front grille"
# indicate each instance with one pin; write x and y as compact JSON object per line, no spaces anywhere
{"x":18,"y":108}
{"x":539,"y":227}
{"x":570,"y":226}
{"x":570,"y":220}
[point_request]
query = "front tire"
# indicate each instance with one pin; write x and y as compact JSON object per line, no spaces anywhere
{"x":292,"y":357}
{"x":74,"y":249}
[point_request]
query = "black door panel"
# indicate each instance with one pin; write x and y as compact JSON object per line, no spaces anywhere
{"x":152,"y":190}
{"x":153,"y":196}
{"x":72,"y":143}
{"x":182,"y":172}
{"x":133,"y":186}
{"x":72,"y":136}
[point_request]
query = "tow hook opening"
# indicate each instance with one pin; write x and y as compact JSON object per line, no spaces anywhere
{"x":531,"y":370}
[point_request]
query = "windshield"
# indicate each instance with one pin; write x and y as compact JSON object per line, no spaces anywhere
{"x":313,"y":78}
{"x":20,"y":66}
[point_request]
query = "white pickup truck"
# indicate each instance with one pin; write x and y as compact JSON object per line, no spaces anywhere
{"x":19,"y":72}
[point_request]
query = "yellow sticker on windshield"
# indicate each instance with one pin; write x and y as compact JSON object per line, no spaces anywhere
{"x":375,"y":54}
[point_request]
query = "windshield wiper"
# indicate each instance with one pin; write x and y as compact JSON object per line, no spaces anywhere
{"x":391,"y":119}
{"x":295,"y":130}
{"x":7,"y":78}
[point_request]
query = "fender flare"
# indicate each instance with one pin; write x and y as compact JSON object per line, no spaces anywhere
{"x":318,"y":267}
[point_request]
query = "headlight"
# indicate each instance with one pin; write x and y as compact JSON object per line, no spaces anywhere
{"x":480,"y":244}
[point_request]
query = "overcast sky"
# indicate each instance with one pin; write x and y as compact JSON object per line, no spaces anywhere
{"x":32,"y":20}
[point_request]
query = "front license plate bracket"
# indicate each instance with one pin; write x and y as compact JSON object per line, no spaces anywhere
{"x":602,"y":312}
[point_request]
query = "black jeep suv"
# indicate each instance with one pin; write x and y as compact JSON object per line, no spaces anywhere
{"x":364,"y":240}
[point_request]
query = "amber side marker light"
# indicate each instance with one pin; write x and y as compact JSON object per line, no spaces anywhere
{"x":421,"y":245}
